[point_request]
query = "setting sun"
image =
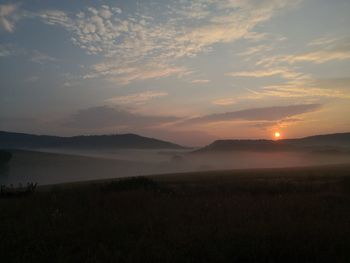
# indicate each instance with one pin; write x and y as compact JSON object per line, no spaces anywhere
{"x":277,"y":135}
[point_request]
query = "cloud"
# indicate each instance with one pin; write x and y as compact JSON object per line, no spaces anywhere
{"x":137,"y":98}
{"x":329,"y":49}
{"x":281,"y":124}
{"x":227,"y":22}
{"x":104,"y":116}
{"x":133,"y":46}
{"x":270,"y":72}
{"x":323,"y":41}
{"x":301,"y":85}
{"x":140,"y":46}
{"x":292,"y":91}
{"x":149,"y":72}
{"x":123,"y":75}
{"x":7,"y":50}
{"x":200,"y":81}
{"x":254,"y":50}
{"x":319,"y":88}
{"x":7,"y":17}
{"x":224,"y":102}
{"x":255,"y":37}
{"x":41,"y":58}
{"x":256,"y":114}
{"x":324,"y":50}
{"x":319,"y":57}
{"x":57,"y":17}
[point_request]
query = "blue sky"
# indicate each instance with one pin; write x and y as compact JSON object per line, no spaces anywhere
{"x":186,"y":71}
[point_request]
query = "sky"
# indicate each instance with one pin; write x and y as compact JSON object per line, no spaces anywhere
{"x":186,"y":71}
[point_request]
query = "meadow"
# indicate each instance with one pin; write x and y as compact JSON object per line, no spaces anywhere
{"x":261,"y":215}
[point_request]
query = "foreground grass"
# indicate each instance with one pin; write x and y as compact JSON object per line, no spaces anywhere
{"x":278,"y":215}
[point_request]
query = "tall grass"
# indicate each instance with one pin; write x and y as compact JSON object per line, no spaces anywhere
{"x":286,"y":218}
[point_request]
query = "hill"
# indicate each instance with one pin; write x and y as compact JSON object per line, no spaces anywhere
{"x":10,"y":140}
{"x":338,"y":142}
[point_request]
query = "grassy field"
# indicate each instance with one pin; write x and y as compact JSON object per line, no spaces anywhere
{"x":265,"y":215}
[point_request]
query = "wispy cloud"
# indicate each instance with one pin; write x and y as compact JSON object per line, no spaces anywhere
{"x":330,"y":49}
{"x":281,"y":124}
{"x":292,"y":91}
{"x":123,"y":75}
{"x":57,"y":17}
{"x":256,"y":114}
{"x":40,"y":57}
{"x":224,"y":102}
{"x":299,"y":84}
{"x":137,"y":98}
{"x":323,"y":41}
{"x":255,"y":50}
{"x":7,"y":50}
{"x":323,"y":50}
{"x":8,"y":17}
{"x":143,"y":46}
{"x":105,"y":116}
{"x":283,"y":72}
{"x":200,"y":81}
{"x":312,"y":89}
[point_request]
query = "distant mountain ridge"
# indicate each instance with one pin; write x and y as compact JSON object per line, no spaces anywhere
{"x":327,"y":142}
{"x":11,"y":140}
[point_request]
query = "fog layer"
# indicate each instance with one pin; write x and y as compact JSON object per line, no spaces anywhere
{"x":51,"y":166}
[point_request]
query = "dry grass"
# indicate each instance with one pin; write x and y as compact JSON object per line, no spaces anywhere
{"x":276,"y":215}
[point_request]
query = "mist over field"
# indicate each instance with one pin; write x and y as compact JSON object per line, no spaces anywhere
{"x":50,"y":166}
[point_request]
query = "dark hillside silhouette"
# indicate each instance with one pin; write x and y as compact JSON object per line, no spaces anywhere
{"x":335,"y":142}
{"x":117,"y":141}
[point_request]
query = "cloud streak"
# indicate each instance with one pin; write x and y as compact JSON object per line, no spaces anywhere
{"x":200,"y":81}
{"x":105,"y":116}
{"x":137,"y":98}
{"x":224,"y":102}
{"x":323,"y":50}
{"x":292,"y":91}
{"x":8,"y":17}
{"x":270,"y":72}
{"x":256,"y":114}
